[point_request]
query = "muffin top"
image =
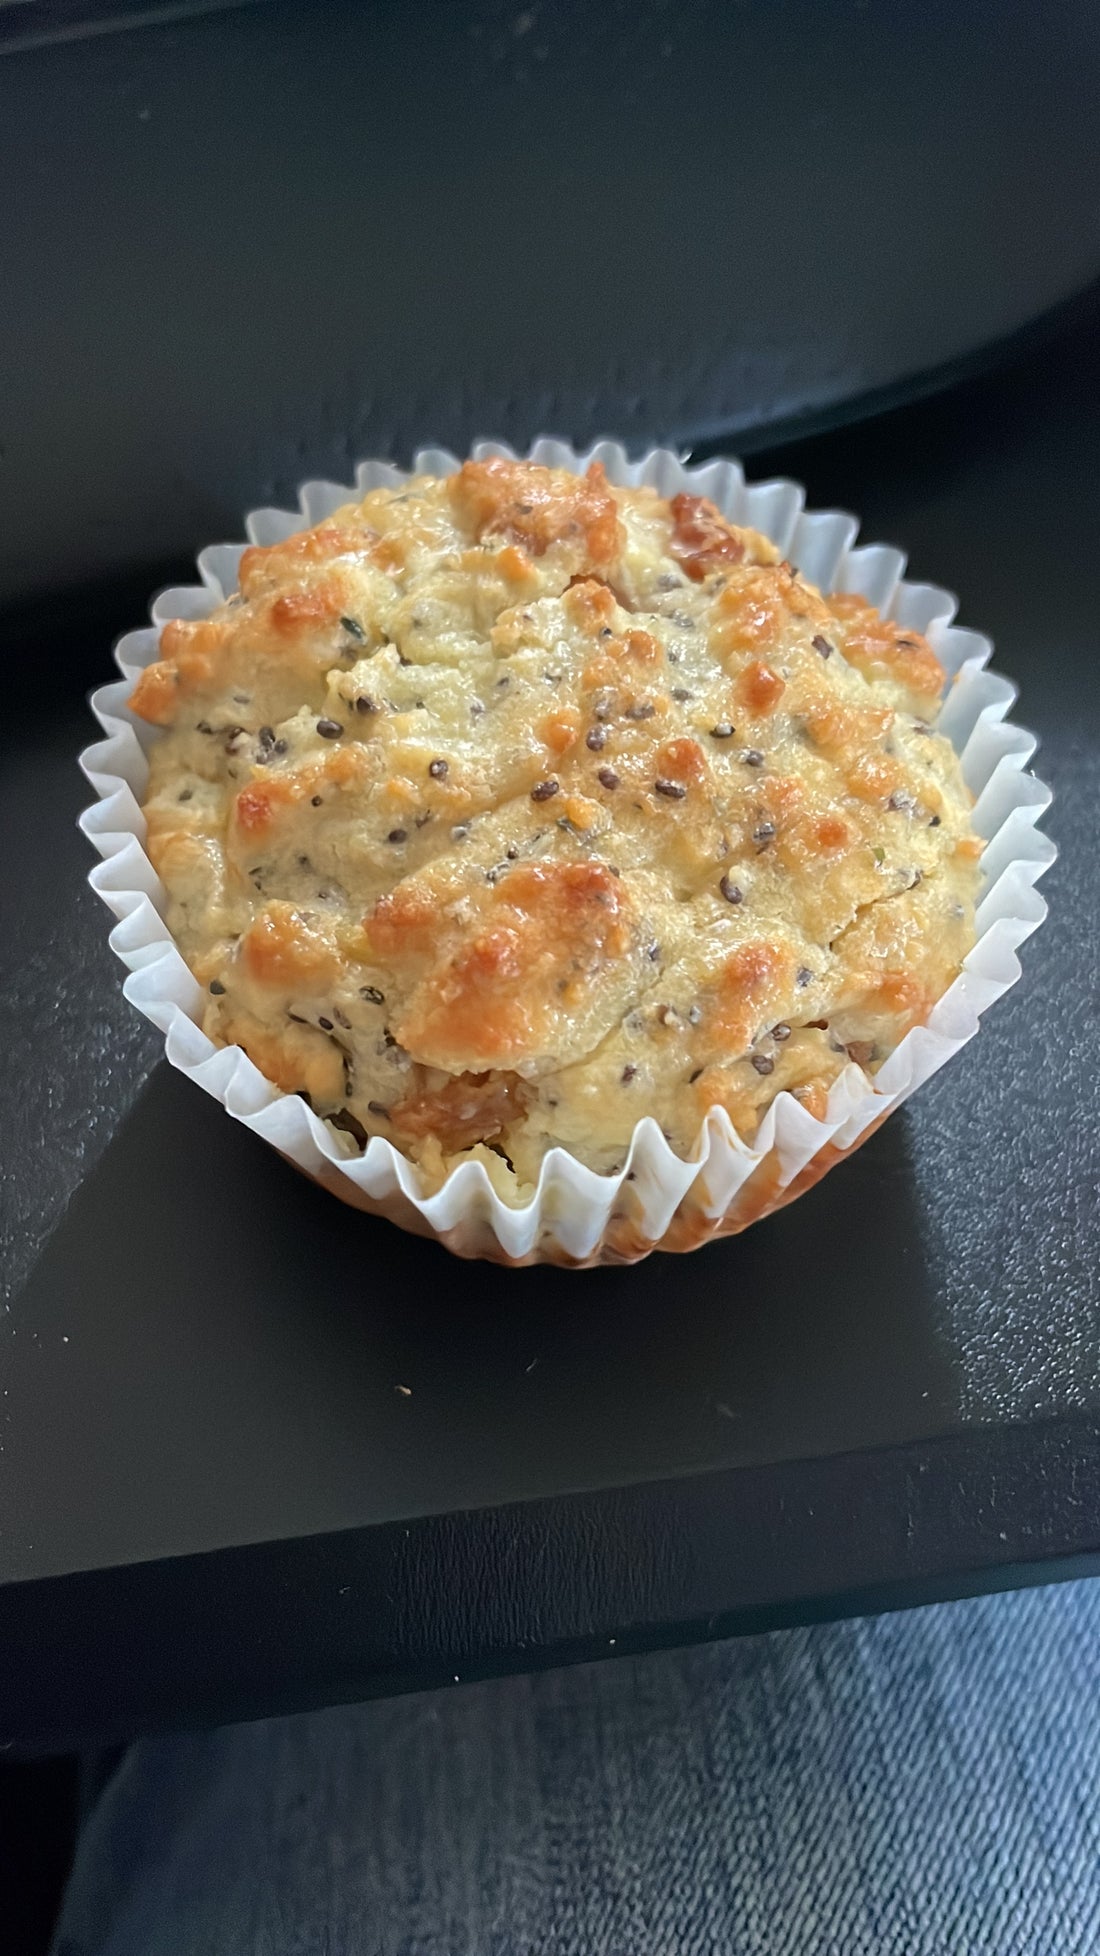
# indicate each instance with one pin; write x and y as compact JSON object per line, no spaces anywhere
{"x":500,"y":810}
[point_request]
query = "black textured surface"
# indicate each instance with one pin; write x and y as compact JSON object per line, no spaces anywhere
{"x":251,"y":247}
{"x":213,"y":1499}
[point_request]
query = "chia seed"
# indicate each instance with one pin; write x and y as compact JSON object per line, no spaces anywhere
{"x":730,"y":891}
{"x":438,"y":770}
{"x":544,"y":790}
{"x":672,"y":790}
{"x":595,"y":739}
{"x":608,"y":777}
{"x":752,"y":757}
{"x":329,"y":729}
{"x":216,"y":988}
{"x":762,"y":1063}
{"x":822,"y":645}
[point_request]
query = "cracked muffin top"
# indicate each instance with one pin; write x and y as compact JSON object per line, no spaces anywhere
{"x":502,"y":809}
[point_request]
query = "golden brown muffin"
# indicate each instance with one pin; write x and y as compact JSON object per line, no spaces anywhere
{"x":501,"y":810}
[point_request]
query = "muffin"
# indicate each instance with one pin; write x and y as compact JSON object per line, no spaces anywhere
{"x":499,"y":811}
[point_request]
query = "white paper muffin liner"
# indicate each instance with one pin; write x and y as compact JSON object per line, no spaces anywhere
{"x":658,"y":1199}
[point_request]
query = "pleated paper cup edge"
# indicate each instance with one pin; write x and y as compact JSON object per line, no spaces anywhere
{"x":658,"y":1198}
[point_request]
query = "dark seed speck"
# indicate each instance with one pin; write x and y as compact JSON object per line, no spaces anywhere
{"x":365,"y":705}
{"x":398,"y":835}
{"x":438,"y":770}
{"x":325,"y":1024}
{"x":781,"y":1032}
{"x":762,"y":1063}
{"x":752,"y":757}
{"x":672,"y":790}
{"x":216,"y":988}
{"x":315,"y":801}
{"x":627,"y":1074}
{"x":544,"y":790}
{"x":822,"y":645}
{"x":354,"y":629}
{"x":608,"y":777}
{"x":805,"y":977}
{"x":372,"y":995}
{"x":595,"y":739}
{"x":329,"y":729}
{"x":721,"y":730}
{"x":730,"y":891}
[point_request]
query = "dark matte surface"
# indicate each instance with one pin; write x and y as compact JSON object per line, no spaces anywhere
{"x":889,"y":1392}
{"x":247,"y":248}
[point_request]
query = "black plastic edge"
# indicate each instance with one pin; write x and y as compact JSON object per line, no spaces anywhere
{"x":183,"y":1642}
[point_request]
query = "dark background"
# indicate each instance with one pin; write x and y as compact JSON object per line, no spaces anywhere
{"x":253,"y":246}
{"x":248,"y":247}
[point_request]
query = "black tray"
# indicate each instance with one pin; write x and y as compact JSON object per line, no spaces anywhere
{"x":215,"y":1502}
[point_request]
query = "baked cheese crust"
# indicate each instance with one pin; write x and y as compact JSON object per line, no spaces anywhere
{"x":498,"y":811}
